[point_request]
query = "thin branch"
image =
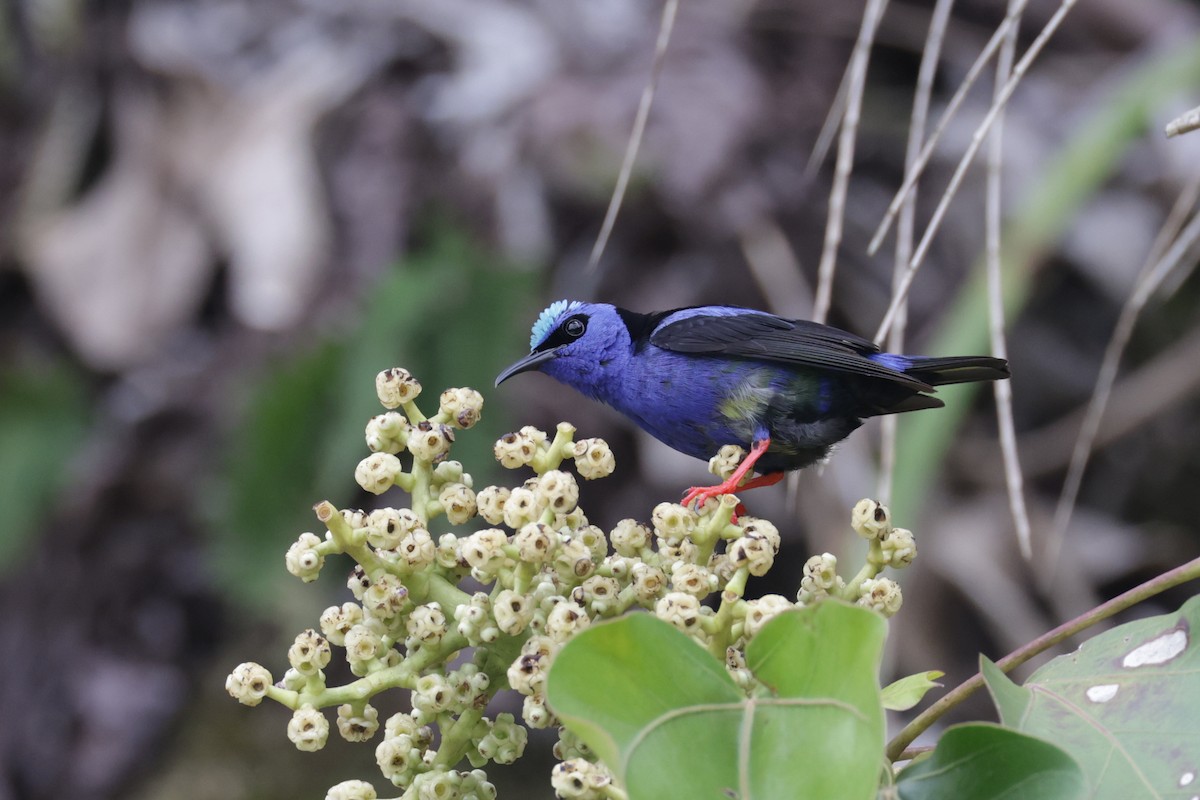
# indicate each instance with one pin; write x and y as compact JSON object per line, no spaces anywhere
{"x":1149,"y":280}
{"x":968,"y":157}
{"x":1003,"y":389}
{"x":1181,"y":574}
{"x":829,"y":127}
{"x":670,"y":7}
{"x":930,"y":56}
{"x":845,"y":157}
{"x":1184,"y":123}
{"x":912,"y":176}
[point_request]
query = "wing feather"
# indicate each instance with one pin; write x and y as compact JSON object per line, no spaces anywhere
{"x":766,"y":337}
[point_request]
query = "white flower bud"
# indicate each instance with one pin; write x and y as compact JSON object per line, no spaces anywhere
{"x":395,"y":387}
{"x":593,"y":459}
{"x":692,"y":579}
{"x":377,"y":472}
{"x":309,"y":653}
{"x":593,"y":538}
{"x":505,"y":740}
{"x":417,"y":549}
{"x":362,"y":644}
{"x":629,"y":538}
{"x":558,"y":491}
{"x":679,"y":609}
{"x":490,"y":503}
{"x":303,"y":559}
{"x":484,"y":550}
{"x":726,"y":461}
{"x":248,"y":683}
{"x":458,"y":502}
{"x":432,"y":693}
{"x":752,"y":551}
{"x":385,"y":597}
{"x":672,"y":521}
{"x":512,"y":612}
{"x":535,"y":542}
{"x":882,"y":595}
{"x":514,"y":450}
{"x":461,"y":407}
{"x":398,"y":758}
{"x":521,"y":508}
{"x":357,"y":727}
{"x":870,"y":519}
{"x":598,"y":594}
{"x":819,"y":577}
{"x":387,"y":433}
{"x":899,"y":547}
{"x":535,"y":713}
{"x":387,"y":526}
{"x":351,"y":790}
{"x":430,"y":441}
{"x":763,"y":528}
{"x":308,"y":729}
{"x":649,"y":582}
{"x":427,"y":623}
{"x":336,"y":621}
{"x":761,"y":611}
{"x":573,"y":560}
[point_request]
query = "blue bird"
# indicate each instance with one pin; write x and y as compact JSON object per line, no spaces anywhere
{"x":699,"y":378}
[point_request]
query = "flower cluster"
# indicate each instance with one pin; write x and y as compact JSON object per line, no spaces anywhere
{"x":547,"y":573}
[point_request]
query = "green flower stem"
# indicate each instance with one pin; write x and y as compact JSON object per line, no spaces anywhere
{"x":1181,"y":574}
{"x":347,"y":542}
{"x":713,"y":528}
{"x":426,"y":586}
{"x":613,"y":792}
{"x":422,"y":473}
{"x":722,"y":622}
{"x":404,"y":675}
{"x":523,"y":576}
{"x":875,"y":564}
{"x":456,"y":739}
{"x":561,"y":447}
{"x":412,"y":412}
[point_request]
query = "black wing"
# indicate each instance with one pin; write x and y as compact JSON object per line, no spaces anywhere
{"x":769,"y":338}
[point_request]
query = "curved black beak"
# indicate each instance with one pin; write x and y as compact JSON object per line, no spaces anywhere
{"x":531,"y":361}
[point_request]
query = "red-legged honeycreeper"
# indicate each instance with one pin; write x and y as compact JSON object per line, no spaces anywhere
{"x":699,"y":378}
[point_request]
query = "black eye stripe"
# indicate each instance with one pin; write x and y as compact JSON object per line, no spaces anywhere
{"x":570,"y":330}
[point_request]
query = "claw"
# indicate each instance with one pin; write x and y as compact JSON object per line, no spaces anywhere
{"x":700,"y":494}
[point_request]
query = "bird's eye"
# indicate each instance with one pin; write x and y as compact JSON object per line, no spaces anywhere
{"x":574,"y":327}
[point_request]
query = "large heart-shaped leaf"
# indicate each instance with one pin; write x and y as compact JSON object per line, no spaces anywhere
{"x":667,"y":719}
{"x":988,"y":762}
{"x":1126,"y":705}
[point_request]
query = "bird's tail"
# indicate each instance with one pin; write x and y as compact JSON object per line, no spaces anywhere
{"x":939,"y":371}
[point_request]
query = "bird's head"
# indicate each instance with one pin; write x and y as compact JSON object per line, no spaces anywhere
{"x":576,"y":343}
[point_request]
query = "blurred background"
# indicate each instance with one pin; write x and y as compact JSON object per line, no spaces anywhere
{"x":219,"y":220}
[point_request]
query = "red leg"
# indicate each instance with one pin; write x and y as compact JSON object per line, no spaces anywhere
{"x":698,"y":494}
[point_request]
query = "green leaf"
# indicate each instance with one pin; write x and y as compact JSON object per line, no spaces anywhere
{"x":43,"y":418}
{"x":666,"y":717}
{"x":987,"y":762}
{"x":905,"y":693}
{"x":1125,"y":705}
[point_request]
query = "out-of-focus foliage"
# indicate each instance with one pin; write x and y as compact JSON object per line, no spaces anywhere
{"x":301,"y":434}
{"x":43,"y":420}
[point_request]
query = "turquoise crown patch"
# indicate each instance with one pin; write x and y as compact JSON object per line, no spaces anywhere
{"x":545,"y":321}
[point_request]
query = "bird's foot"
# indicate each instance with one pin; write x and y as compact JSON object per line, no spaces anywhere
{"x":701,"y":494}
